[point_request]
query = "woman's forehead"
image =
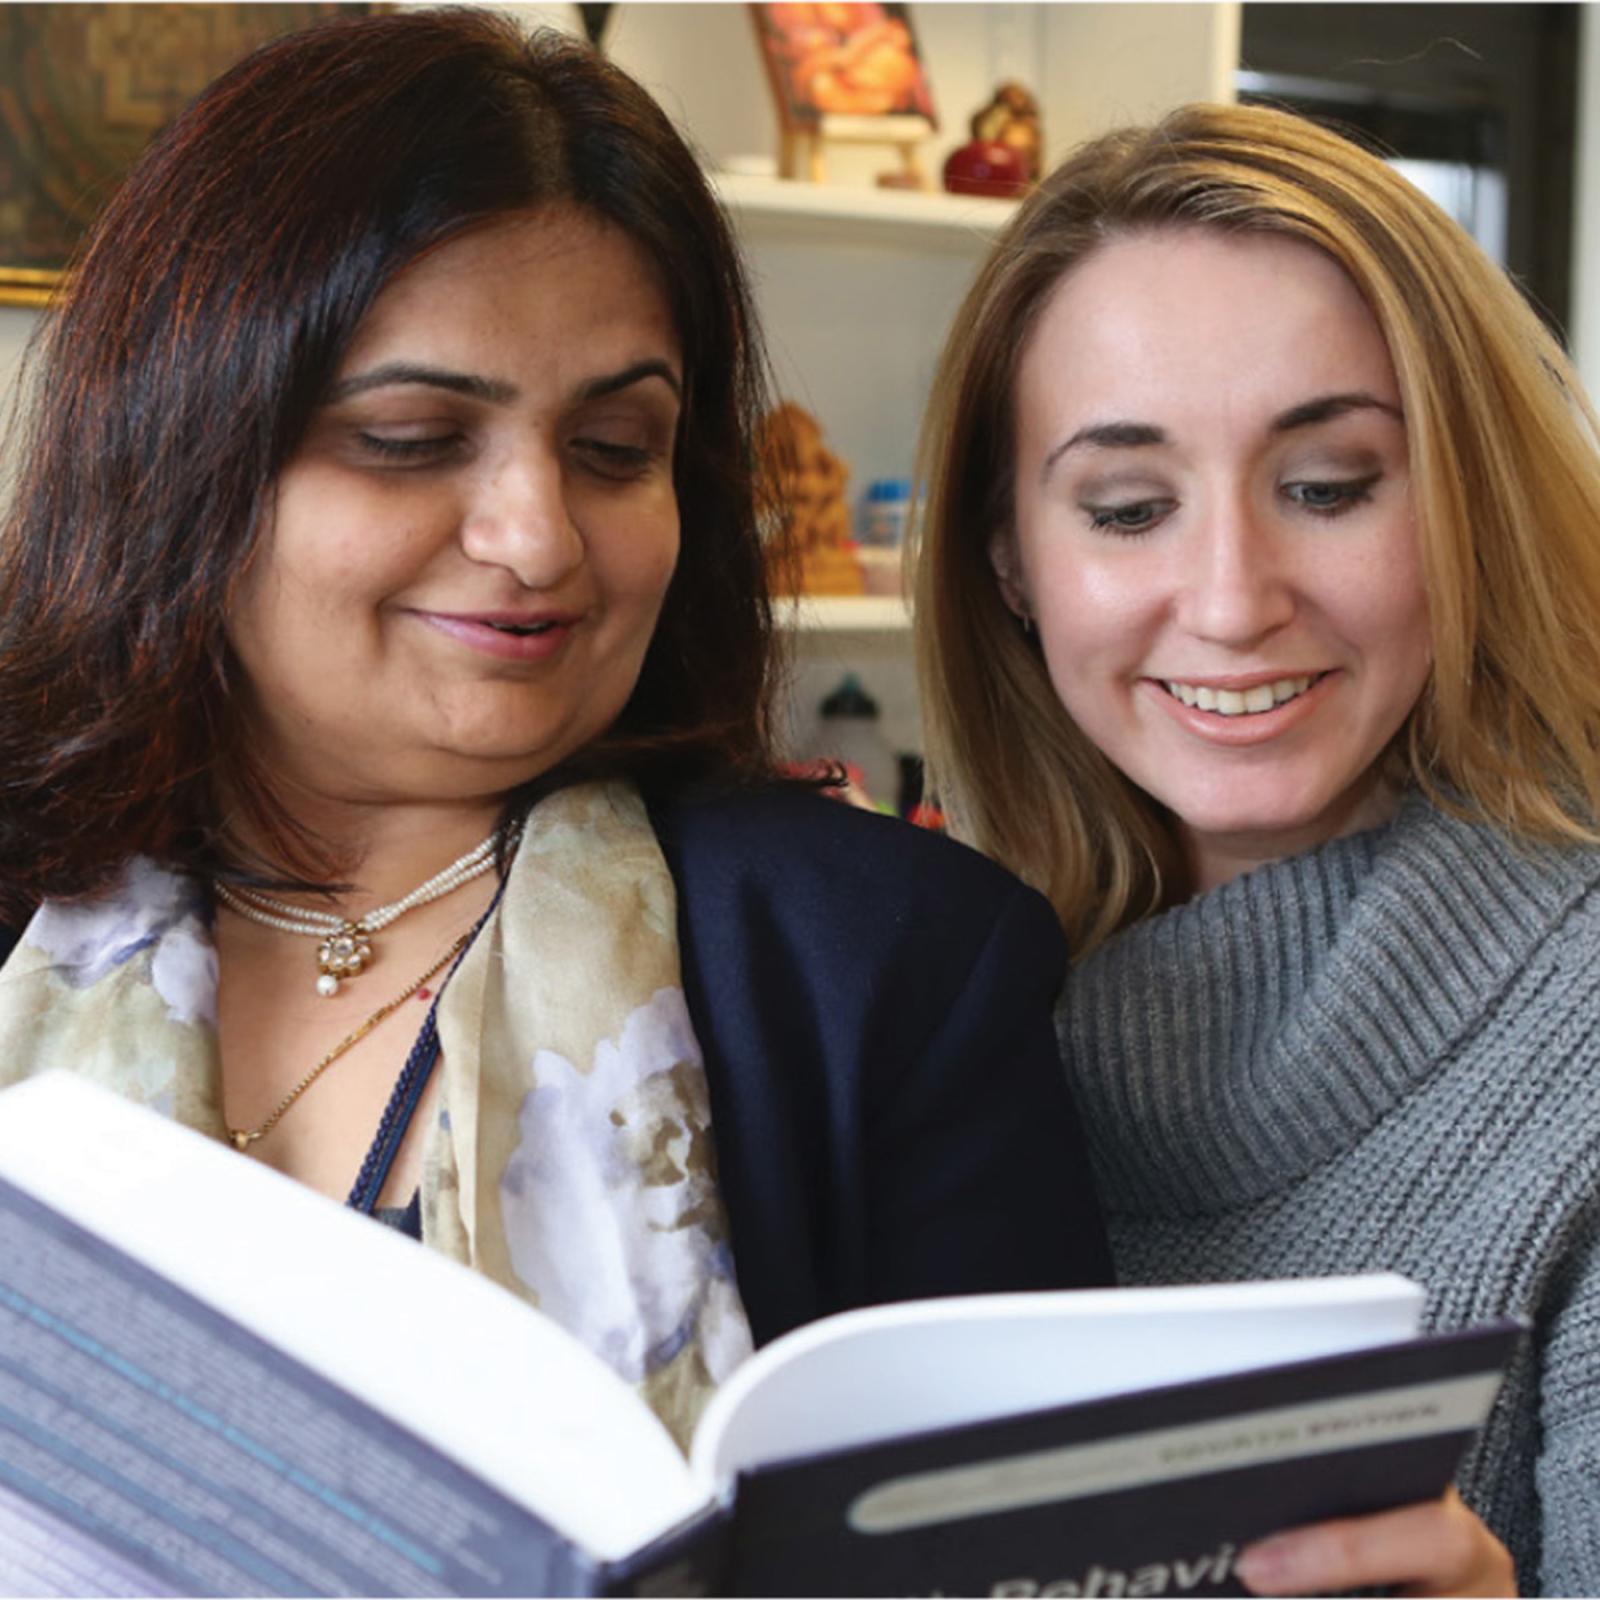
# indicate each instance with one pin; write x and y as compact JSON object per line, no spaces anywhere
{"x":552,"y":287}
{"x":1184,"y":321}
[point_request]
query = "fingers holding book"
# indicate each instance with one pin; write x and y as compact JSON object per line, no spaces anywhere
{"x":1436,"y":1547}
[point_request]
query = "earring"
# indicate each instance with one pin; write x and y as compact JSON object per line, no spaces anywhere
{"x":1030,"y":628}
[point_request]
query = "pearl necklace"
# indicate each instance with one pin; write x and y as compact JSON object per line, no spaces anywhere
{"x":346,"y":944}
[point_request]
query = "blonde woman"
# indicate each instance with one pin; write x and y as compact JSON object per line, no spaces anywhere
{"x":1259,"y":625}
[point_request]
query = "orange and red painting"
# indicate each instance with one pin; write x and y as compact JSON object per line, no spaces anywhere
{"x":842,"y":60}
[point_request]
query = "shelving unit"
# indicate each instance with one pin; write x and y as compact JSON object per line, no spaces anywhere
{"x":856,"y":287}
{"x":911,"y":221}
{"x":844,"y":613}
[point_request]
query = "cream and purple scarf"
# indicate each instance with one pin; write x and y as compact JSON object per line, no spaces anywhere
{"x":572,"y":1159}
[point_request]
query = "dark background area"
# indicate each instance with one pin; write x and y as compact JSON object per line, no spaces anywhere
{"x":1485,"y":85}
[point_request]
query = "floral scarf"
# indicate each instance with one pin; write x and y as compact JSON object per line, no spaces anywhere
{"x":572,"y":1160}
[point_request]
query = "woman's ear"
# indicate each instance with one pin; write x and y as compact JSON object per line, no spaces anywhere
{"x":1007,"y":564}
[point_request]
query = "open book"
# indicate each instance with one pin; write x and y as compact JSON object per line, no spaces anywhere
{"x":214,"y":1381}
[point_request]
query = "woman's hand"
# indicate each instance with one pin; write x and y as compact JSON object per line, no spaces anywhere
{"x":1437,"y":1547}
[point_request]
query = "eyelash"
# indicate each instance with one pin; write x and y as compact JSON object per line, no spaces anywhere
{"x":1104,"y":519}
{"x":1349,"y":493}
{"x":617,"y":463}
{"x":421,"y":450}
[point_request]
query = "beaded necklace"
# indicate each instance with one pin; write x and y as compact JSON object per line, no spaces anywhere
{"x":345,"y":947}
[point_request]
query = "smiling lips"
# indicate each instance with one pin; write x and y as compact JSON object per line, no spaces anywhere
{"x":522,"y":630}
{"x":1239,"y":702}
{"x":509,"y":635}
{"x":1245,"y":712}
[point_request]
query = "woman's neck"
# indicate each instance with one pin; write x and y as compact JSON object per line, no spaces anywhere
{"x":1216,"y":859}
{"x":384,"y":850}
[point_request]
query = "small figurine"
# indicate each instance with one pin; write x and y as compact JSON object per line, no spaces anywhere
{"x":1012,"y":117}
{"x":807,"y":484}
{"x":1006,"y":151}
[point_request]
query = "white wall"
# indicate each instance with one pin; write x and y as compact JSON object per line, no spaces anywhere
{"x":16,"y":327}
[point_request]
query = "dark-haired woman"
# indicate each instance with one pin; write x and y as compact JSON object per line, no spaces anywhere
{"x":384,"y":663}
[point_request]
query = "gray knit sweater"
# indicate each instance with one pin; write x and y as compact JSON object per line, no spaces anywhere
{"x":1380,"y":1054}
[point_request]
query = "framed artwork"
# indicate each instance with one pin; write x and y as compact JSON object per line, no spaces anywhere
{"x":83,"y":89}
{"x":842,"y":61}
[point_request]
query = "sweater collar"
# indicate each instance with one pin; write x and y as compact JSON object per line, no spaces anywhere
{"x":1225,"y":1048}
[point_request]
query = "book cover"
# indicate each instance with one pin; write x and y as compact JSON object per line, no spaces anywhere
{"x":1151,"y":1493}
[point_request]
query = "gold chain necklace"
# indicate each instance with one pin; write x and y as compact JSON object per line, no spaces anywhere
{"x":244,"y":1137}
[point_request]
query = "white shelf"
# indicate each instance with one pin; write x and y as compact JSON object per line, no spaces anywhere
{"x":843,"y":613}
{"x":915,"y":219}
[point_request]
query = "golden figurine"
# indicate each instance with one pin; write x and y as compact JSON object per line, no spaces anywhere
{"x":807,"y":482}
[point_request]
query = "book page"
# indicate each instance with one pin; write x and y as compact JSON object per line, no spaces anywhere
{"x":894,"y":1370}
{"x":150,"y":1446}
{"x":432,"y":1346}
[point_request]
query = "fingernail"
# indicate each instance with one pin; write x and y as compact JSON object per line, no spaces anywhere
{"x":1266,"y":1567}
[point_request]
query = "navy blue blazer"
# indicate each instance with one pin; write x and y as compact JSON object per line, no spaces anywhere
{"x":874,"y":1007}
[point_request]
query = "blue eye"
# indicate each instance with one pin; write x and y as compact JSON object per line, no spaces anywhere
{"x":1132,"y":516}
{"x":1331,"y":497}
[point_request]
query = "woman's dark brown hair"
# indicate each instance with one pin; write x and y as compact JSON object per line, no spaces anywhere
{"x":205,"y":318}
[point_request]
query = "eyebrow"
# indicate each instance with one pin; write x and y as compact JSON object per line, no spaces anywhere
{"x":1105,"y":436}
{"x":493,"y":390}
{"x":1326,"y":407}
{"x":407,"y":372}
{"x":1132,"y":435}
{"x":629,"y":376}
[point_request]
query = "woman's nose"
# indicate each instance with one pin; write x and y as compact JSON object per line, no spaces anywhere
{"x":519,"y":518}
{"x":1237,"y":589}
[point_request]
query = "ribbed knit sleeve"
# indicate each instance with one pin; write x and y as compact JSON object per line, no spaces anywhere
{"x":1569,"y":1463}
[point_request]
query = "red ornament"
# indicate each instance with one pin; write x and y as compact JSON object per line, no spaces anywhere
{"x":985,"y":166}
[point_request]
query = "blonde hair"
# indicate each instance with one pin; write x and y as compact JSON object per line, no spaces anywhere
{"x":1505,"y":481}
